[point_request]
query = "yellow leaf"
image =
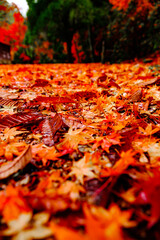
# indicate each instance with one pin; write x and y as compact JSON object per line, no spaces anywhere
{"x":81,"y":169}
{"x":75,"y":137}
{"x":71,"y":188}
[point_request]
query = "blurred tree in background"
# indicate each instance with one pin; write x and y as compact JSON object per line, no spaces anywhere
{"x":93,"y":31}
{"x":75,"y":28}
{"x":12,"y":26}
{"x":57,"y":22}
{"x":4,"y":9}
{"x":85,"y":30}
{"x":135,"y":29}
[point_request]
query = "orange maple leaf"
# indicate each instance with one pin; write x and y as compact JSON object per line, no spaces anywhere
{"x":107,"y":224}
{"x":75,"y":137}
{"x":149,"y":130}
{"x":72,"y":189}
{"x":107,"y":142}
{"x":41,"y":152}
{"x":126,"y":160}
{"x":83,"y":168}
{"x":64,"y":233}
{"x":13,"y":203}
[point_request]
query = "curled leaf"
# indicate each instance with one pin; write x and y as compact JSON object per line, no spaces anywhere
{"x":153,"y":80}
{"x":18,"y":163}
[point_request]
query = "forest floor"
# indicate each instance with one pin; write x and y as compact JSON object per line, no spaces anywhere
{"x":80,"y":151}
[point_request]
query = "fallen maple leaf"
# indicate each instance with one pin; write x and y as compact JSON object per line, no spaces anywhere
{"x":101,"y":125}
{"x":13,"y":203}
{"x":64,"y":233}
{"x":149,"y":130}
{"x":107,"y":224}
{"x":75,"y":137}
{"x":81,"y":169}
{"x":16,"y":164}
{"x":10,"y":133}
{"x":71,"y":188}
{"x":126,"y":159}
{"x":41,"y":152}
{"x":149,"y":194}
{"x":107,"y":142}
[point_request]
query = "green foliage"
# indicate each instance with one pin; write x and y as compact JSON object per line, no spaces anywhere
{"x":123,"y":35}
{"x":6,"y":13}
{"x":58,"y":19}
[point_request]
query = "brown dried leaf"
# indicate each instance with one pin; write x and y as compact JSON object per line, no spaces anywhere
{"x":53,"y":100}
{"x":41,"y":83}
{"x":7,"y":102}
{"x":49,"y":127}
{"x":17,"y":119}
{"x":155,"y":80}
{"x":47,"y":133}
{"x":17,"y":225}
{"x":84,"y":94}
{"x":18,"y":163}
{"x":56,"y":123}
{"x":72,"y":122}
{"x":40,"y":232}
{"x":4,"y":93}
{"x":136,"y":96}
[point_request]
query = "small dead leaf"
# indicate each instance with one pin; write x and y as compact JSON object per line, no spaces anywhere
{"x":17,"y":225}
{"x":41,"y":232}
{"x":18,"y":163}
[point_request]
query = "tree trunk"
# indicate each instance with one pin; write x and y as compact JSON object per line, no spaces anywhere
{"x":90,"y":40}
{"x":103,"y":52}
{"x":69,"y":47}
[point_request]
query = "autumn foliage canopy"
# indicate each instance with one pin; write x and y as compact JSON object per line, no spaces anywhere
{"x":12,"y":31}
{"x":124,"y":4}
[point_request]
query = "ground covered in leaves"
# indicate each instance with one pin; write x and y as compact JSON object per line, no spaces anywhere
{"x":80,"y":151}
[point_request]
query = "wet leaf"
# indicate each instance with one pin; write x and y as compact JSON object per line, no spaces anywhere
{"x":16,"y":164}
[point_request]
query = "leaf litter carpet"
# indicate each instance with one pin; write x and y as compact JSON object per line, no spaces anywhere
{"x":80,"y":151}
